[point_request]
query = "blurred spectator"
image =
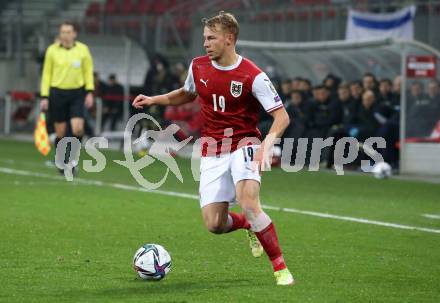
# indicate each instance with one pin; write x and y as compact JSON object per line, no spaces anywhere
{"x":422,"y":115}
{"x":349,"y":109}
{"x":416,"y":95}
{"x":356,"y":91}
{"x":348,"y":105}
{"x":99,"y":85}
{"x":369,"y":82}
{"x":113,"y":100}
{"x":366,"y":123}
{"x":434,"y":91}
{"x":180,"y":72}
{"x":434,"y":97}
{"x":332,"y":83}
{"x":385,"y":89}
{"x":298,"y":109}
{"x":305,"y":86}
{"x":299,"y":112}
{"x":390,"y":130}
{"x":285,"y":89}
{"x":159,"y":80}
{"x":325,"y":113}
{"x":295,"y":83}
{"x":395,"y":102}
{"x":385,"y":101}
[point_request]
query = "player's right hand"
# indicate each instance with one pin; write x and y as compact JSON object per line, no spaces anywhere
{"x":44,"y":104}
{"x":141,"y":101}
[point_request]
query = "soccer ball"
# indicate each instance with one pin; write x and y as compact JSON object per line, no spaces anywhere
{"x":381,"y":170}
{"x":152,"y":262}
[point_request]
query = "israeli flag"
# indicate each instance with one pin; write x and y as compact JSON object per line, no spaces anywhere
{"x":368,"y":26}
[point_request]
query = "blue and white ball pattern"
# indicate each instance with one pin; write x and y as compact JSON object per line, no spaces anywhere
{"x":152,"y":262}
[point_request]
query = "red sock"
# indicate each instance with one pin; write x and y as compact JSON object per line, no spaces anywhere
{"x":239,"y":221}
{"x":269,"y":240}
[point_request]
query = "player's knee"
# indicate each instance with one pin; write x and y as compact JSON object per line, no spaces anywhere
{"x":215,"y":227}
{"x":250,"y":204}
{"x":251,"y":212}
{"x":248,"y":195}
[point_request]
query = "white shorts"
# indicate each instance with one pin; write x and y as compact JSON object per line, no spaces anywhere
{"x":219,"y":175}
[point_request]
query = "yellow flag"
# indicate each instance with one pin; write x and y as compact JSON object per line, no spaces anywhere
{"x":41,"y":137}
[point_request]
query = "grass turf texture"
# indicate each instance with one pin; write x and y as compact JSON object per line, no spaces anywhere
{"x":70,"y":242}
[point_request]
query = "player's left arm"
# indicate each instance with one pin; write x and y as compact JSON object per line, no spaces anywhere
{"x":280,"y":122}
{"x":265,"y":92}
{"x":88,"y":77}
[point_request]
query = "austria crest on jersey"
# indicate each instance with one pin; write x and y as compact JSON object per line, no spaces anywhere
{"x":236,"y":88}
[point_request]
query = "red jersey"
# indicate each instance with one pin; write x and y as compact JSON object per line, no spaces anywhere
{"x":230,"y":98}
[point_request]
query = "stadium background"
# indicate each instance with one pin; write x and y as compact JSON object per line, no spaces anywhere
{"x":350,"y":239}
{"x":145,"y":36}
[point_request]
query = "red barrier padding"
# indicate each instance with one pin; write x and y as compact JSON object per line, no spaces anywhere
{"x":17,"y":95}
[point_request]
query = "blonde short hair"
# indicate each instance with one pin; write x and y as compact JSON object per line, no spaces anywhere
{"x":227,"y":22}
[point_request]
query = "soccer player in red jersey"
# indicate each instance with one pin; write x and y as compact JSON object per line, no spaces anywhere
{"x":231,"y":90}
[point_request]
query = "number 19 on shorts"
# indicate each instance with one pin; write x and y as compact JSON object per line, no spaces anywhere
{"x":219,"y":104}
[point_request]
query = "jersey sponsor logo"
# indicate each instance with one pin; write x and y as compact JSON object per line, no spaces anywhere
{"x":204,"y":82}
{"x":236,"y":88}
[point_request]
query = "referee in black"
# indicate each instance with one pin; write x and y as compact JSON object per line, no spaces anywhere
{"x":67,"y":82}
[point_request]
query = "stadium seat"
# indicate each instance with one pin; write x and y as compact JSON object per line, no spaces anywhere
{"x":144,"y":6}
{"x":263,"y":17}
{"x":22,"y":112}
{"x":279,"y":16}
{"x":92,"y":25}
{"x":128,"y":7}
{"x":231,"y":5}
{"x":94,"y":9}
{"x":183,"y":23}
{"x":111,"y":7}
{"x":317,"y":14}
{"x":290,"y":15}
{"x":266,"y":3}
{"x":161,"y":7}
{"x":303,"y":15}
{"x":311,"y":2}
{"x":331,"y":13}
{"x":133,"y":25}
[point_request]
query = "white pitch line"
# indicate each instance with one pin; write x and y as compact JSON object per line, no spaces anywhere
{"x":195,"y":197}
{"x":431,"y":216}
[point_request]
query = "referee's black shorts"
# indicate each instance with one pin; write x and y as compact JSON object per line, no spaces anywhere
{"x":65,"y":104}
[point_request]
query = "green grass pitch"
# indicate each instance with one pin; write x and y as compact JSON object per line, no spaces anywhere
{"x":74,"y":241}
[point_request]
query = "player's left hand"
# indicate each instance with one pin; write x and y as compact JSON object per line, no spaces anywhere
{"x":89,"y":100}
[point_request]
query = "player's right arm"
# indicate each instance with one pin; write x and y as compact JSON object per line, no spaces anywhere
{"x":175,"y":97}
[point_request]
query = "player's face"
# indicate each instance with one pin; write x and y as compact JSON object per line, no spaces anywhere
{"x":215,"y":42}
{"x":67,"y":34}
